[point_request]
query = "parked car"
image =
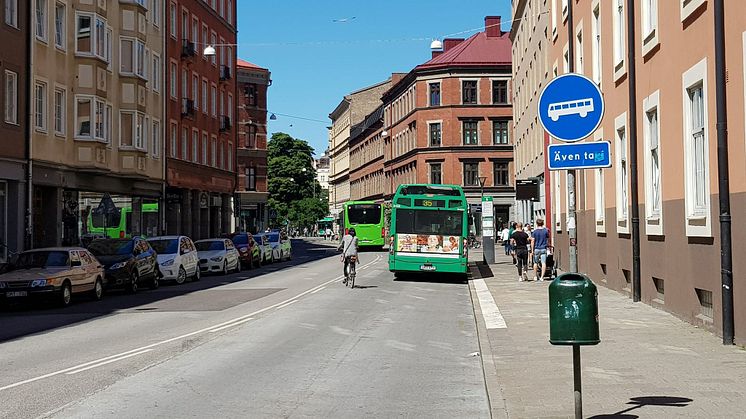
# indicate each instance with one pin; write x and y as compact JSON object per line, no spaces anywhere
{"x":128,"y":263}
{"x":218,"y":255}
{"x":281,"y":247}
{"x":54,"y":273}
{"x":248,"y":250}
{"x":265,"y":248}
{"x":177,"y":258}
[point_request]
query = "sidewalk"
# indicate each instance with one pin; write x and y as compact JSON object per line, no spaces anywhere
{"x":649,"y":364}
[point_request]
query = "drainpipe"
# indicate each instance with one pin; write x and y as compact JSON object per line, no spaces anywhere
{"x":635,"y":200}
{"x":29,"y":164}
{"x":726,"y":255}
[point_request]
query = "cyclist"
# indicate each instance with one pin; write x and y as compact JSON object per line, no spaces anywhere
{"x":348,"y":247}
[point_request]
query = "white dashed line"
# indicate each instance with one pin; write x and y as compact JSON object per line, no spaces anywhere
{"x":492,"y":317}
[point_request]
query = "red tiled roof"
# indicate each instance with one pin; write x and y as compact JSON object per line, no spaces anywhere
{"x":245,"y":64}
{"x":478,"y":50}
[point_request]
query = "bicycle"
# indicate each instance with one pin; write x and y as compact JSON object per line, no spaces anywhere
{"x":350,"y":280}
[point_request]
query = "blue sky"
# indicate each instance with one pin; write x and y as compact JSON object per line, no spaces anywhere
{"x":315,"y":61}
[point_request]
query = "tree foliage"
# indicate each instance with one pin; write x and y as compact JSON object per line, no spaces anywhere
{"x":294,"y":192}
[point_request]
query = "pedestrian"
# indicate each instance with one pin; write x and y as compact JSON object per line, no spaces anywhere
{"x":328,"y":234}
{"x":510,"y":234}
{"x":505,"y":237}
{"x":305,"y":231}
{"x":520,"y":240}
{"x":539,"y":243}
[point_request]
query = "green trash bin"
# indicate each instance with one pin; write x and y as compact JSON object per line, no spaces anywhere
{"x":573,"y":311}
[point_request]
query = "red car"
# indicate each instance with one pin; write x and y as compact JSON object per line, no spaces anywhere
{"x":248,"y":251}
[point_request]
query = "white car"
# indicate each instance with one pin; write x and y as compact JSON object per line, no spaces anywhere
{"x":218,"y":255}
{"x":265,"y":247}
{"x":281,"y":248}
{"x":177,"y":258}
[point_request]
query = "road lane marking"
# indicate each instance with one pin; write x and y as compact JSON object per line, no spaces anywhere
{"x":492,"y":317}
{"x":184,"y":336}
{"x":315,"y":291}
{"x":287,"y":304}
{"x":107,"y":362}
{"x":231,"y":325}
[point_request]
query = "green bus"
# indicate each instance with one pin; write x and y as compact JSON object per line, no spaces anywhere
{"x":429,"y":226}
{"x":367,"y":217}
{"x":117,"y":226}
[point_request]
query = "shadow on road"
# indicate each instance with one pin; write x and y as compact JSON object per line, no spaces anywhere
{"x":640,"y":402}
{"x":30,"y":317}
{"x":438,"y":278}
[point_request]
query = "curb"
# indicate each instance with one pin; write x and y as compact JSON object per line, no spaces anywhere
{"x":495,"y":397}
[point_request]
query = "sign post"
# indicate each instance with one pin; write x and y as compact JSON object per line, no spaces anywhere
{"x":488,"y":229}
{"x":570,"y":109}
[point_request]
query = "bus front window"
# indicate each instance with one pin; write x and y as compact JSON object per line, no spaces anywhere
{"x":364,"y":214}
{"x":447,"y":223}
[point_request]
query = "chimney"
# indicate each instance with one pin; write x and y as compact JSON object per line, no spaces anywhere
{"x":492,"y":26}
{"x":396,"y":78}
{"x":437,"y":53}
{"x":449,"y":43}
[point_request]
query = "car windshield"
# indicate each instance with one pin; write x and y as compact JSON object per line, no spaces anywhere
{"x":241,"y":239}
{"x":165,"y":246}
{"x":111,"y":247}
{"x":210,"y":246}
{"x":274,"y":237}
{"x":29,"y":260}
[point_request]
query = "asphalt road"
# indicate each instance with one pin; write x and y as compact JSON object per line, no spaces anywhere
{"x":288,"y":340}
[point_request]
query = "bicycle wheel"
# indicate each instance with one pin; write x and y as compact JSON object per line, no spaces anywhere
{"x":352,"y":276}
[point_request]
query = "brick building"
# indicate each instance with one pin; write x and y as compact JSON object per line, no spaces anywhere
{"x":201,"y":136}
{"x":14,"y":30}
{"x":449,"y":120}
{"x":366,"y":158}
{"x":251,"y":154}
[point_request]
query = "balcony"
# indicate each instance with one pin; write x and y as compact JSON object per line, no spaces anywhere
{"x":225,"y":73}
{"x":188,"y":49}
{"x":187,"y":108}
{"x":225,"y":123}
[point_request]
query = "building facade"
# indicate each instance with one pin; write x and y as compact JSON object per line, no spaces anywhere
{"x":201,"y":133}
{"x":529,"y":34}
{"x":366,"y":158}
{"x":677,"y":154}
{"x":251,"y":154}
{"x":14,"y":62}
{"x":448,"y":121}
{"x":96,"y":118}
{"x":351,"y":111}
{"x":322,"y":170}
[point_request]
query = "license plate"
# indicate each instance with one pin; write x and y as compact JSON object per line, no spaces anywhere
{"x":427,"y":267}
{"x":16,"y":294}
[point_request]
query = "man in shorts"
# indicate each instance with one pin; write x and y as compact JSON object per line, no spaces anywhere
{"x":539,"y":244}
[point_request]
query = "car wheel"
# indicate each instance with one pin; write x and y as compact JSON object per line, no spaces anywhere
{"x":258,"y":262}
{"x":181,"y":276}
{"x":133,"y":286}
{"x":225,"y":267}
{"x":290,"y":255}
{"x":98,"y":290}
{"x":155,"y":283}
{"x":197,"y":274}
{"x":66,"y":294}
{"x":238,"y":266}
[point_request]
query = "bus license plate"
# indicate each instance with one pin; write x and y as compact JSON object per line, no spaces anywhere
{"x":427,"y":267}
{"x":16,"y":294}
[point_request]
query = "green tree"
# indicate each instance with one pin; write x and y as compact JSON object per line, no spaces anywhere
{"x":294,"y":192}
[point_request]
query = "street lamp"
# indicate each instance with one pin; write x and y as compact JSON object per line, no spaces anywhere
{"x":210,"y":51}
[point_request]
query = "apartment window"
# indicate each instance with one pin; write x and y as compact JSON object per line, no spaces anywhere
{"x":156,"y":13}
{"x":499,"y":91}
{"x":251,"y":137}
{"x":184,"y":144}
{"x":59,"y":25}
{"x":554,"y":18}
{"x":435,"y":134}
{"x":132,"y":130}
{"x":195,"y":90}
{"x":622,"y":169}
{"x":132,"y":53}
{"x":471,"y":129}
{"x":436,"y":173}
{"x":195,"y":30}
{"x":654,"y":200}
{"x":214,"y":100}
{"x":40,"y":106}
{"x":222,"y":156}
{"x":214,"y":152}
{"x":173,"y":80}
{"x":156,"y":76}
{"x":11,"y":97}
{"x":469,"y":92}
{"x":600,"y":202}
{"x":434,"y":94}
{"x":501,"y":177}
{"x":59,"y":111}
{"x":108,"y":117}
{"x":174,"y":140}
{"x":203,"y":160}
{"x":156,"y":138}
{"x":205,"y":38}
{"x":579,"y":51}
{"x":195,"y":146}
{"x":229,"y":12}
{"x":91,"y":36}
{"x":184,"y":25}
{"x":41,"y":20}
{"x":698,"y":146}
{"x":204,"y":96}
{"x":688,"y":7}
{"x":596,"y":44}
{"x":11,"y":13}
{"x":618,"y":10}
{"x":184,"y":84}
{"x":222,"y":102}
{"x":213,"y":41}
{"x":500,"y":132}
{"x":230,"y":157}
{"x":251,"y":178}
{"x":471,"y":174}
{"x":172,"y":21}
{"x":649,"y":18}
{"x":230,"y":106}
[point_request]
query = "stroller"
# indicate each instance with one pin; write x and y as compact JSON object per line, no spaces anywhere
{"x":552,"y":265}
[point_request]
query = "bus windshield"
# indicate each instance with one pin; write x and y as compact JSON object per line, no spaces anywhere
{"x":364,"y":214}
{"x":441,"y":222}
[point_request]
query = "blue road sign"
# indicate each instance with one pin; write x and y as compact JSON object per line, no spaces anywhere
{"x":590,"y":155}
{"x":571,"y":107}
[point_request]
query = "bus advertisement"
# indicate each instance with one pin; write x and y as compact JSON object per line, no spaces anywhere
{"x":367,"y":217}
{"x":429,"y":225}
